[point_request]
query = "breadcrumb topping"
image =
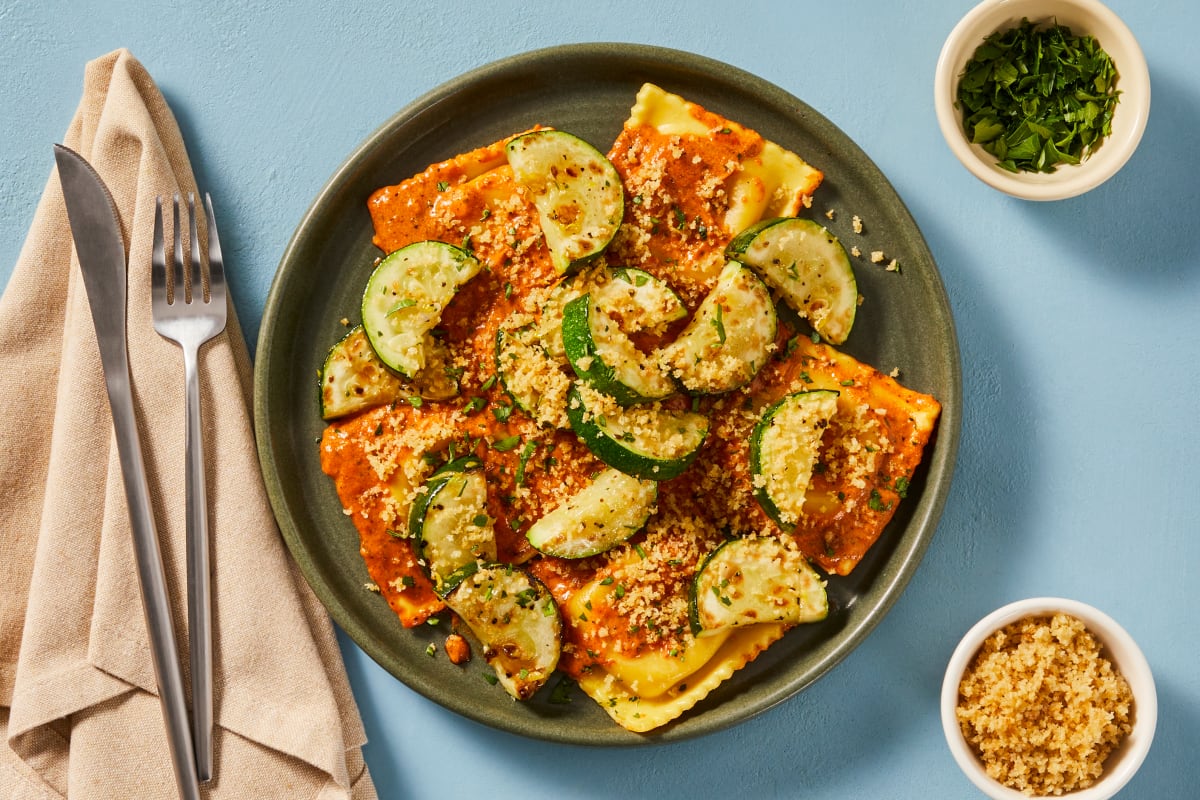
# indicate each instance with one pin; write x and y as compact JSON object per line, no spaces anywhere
{"x":1043,"y":707}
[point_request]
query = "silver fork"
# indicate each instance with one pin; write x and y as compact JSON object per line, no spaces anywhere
{"x":189,"y":313}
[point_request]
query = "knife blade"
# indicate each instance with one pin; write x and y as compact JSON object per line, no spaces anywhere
{"x":100,"y":248}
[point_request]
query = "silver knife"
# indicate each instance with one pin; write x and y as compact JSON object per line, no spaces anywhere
{"x":101,"y":250}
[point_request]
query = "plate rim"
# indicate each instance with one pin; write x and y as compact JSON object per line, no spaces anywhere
{"x":901,"y":565}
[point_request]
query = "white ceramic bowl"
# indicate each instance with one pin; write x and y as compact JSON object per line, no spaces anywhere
{"x":1083,"y":17}
{"x":1117,"y":646}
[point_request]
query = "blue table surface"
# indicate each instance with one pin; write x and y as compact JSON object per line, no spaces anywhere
{"x":1077,"y":323}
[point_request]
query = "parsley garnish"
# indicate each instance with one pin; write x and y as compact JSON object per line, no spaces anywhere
{"x":523,"y":461}
{"x":561,"y":693}
{"x":719,"y":325}
{"x":1036,"y":98}
{"x":876,"y":502}
{"x":504,"y":445}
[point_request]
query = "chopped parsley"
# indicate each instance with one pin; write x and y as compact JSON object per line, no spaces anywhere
{"x":523,"y":461}
{"x":506,"y":444}
{"x":1038,"y":97}
{"x":562,"y":691}
{"x":719,"y":324}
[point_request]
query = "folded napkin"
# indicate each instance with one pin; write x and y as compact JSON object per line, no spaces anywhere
{"x":79,"y":716}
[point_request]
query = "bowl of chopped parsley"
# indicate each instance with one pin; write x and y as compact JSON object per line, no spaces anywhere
{"x":1042,"y":99}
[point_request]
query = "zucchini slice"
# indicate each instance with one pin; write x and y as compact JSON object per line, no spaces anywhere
{"x":808,"y":266}
{"x":603,"y":356}
{"x":610,"y":510}
{"x":729,"y":337}
{"x":784,"y":448}
{"x":405,"y":297}
{"x":577,"y":192}
{"x":517,"y":621}
{"x":644,"y":441}
{"x":451,"y":525}
{"x":353,"y":378}
{"x":758,"y":579}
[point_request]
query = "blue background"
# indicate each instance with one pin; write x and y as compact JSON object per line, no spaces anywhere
{"x":1077,"y":323}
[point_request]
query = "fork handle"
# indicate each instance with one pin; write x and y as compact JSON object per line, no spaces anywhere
{"x":198,"y":572}
{"x":151,"y":574}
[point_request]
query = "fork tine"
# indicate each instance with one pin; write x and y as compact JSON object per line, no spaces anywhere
{"x":196,"y":279}
{"x":216,"y":262}
{"x":179,"y":288}
{"x":158,"y":260}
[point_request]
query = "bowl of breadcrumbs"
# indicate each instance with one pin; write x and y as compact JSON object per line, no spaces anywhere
{"x":1048,"y":697}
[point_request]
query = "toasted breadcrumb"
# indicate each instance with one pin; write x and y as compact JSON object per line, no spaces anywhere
{"x":1042,"y":707}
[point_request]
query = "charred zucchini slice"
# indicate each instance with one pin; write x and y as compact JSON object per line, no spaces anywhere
{"x":577,"y":192}
{"x":729,"y":337}
{"x":752,"y":580}
{"x":604,"y":356}
{"x":515,"y":618}
{"x":784,"y":448}
{"x":646,"y":441}
{"x":612,"y":508}
{"x":405,"y":297}
{"x":451,"y":525}
{"x":354,"y":379}
{"x":808,"y":266}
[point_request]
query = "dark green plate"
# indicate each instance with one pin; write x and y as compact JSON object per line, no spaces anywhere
{"x":905,"y":322}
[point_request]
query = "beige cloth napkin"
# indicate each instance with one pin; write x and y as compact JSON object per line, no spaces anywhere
{"x":78,"y":710}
